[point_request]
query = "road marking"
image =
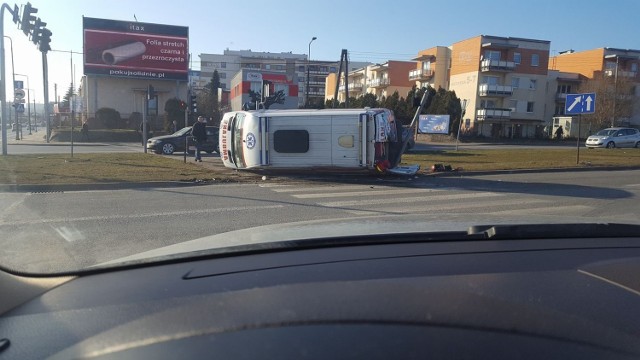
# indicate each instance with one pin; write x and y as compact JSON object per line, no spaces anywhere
{"x":441,"y":208}
{"x":293,"y":188}
{"x":139,"y":216}
{"x":371,"y":192}
{"x":551,"y":210}
{"x":409,"y":199}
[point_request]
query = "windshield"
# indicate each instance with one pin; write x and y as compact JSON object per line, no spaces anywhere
{"x":182,"y":131}
{"x":606,"y":132}
{"x":325,"y":126}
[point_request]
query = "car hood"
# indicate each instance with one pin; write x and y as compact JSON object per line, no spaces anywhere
{"x":165,"y":137}
{"x":293,"y":234}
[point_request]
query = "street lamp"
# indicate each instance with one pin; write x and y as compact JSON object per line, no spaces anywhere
{"x":615,"y":86}
{"x":306,"y":100}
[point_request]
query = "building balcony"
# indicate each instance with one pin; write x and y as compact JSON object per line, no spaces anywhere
{"x":495,"y":90}
{"x":561,"y":96}
{"x":496,"y":65}
{"x":420,"y":74}
{"x":355,"y":87}
{"x":379,"y":83}
{"x":484,"y":114}
{"x":621,"y":73}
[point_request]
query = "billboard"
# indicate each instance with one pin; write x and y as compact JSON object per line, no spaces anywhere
{"x":135,"y":50}
{"x":433,"y":124}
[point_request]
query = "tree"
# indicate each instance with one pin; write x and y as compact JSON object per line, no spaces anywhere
{"x":109,"y":117}
{"x":174,"y":111}
{"x":609,"y":94}
{"x":66,"y":100}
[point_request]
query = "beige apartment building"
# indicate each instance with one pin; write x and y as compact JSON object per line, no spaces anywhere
{"x":432,"y":68}
{"x":504,"y":81}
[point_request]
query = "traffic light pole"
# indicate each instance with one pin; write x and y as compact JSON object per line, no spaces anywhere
{"x":3,"y":82}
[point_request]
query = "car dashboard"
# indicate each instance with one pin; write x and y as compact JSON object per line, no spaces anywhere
{"x":396,"y":296}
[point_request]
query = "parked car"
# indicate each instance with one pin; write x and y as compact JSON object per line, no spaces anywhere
{"x":614,"y":137}
{"x":168,"y":144}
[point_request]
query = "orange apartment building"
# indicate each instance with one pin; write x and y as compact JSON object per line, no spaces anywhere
{"x":382,"y":80}
{"x":504,"y":81}
{"x":603,"y":62}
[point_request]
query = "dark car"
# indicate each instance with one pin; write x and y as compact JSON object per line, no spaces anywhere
{"x":168,"y":144}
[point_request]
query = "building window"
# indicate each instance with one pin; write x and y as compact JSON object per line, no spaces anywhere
{"x":223,"y":65}
{"x":284,"y":87}
{"x":535,"y":60}
{"x":267,"y":66}
{"x":515,"y":82}
{"x":517,"y":58}
{"x":222,"y":75}
{"x":530,"y":106}
{"x":490,"y":80}
{"x":332,"y":69}
{"x":492,"y":55}
{"x":634,"y":67}
{"x":533,"y":83}
{"x":256,"y":86}
{"x":513,"y":105}
{"x":301,"y":68}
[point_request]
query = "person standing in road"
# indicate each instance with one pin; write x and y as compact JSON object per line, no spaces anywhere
{"x":199,"y":133}
{"x":559,"y":133}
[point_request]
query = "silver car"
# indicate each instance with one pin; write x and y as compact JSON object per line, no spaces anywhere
{"x":614,"y":137}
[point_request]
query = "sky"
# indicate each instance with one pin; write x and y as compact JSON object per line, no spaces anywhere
{"x":372,"y":30}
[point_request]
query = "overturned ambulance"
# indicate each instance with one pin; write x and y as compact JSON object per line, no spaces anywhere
{"x":333,"y":139}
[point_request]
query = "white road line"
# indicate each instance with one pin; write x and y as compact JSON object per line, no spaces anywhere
{"x":371,"y":192}
{"x":550,"y":210}
{"x":409,"y":199}
{"x":440,"y":208}
{"x":294,"y":188}
{"x":140,"y":216}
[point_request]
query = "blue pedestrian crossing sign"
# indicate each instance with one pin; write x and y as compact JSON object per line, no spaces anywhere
{"x":580,"y":104}
{"x":19,"y":108}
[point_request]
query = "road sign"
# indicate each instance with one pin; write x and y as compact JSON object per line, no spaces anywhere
{"x":18,"y":94}
{"x":20,"y":108}
{"x":18,"y":84}
{"x":580,"y":104}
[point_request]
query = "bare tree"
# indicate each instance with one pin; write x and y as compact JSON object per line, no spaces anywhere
{"x":614,"y":99}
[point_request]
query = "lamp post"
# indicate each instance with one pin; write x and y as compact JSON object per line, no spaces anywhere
{"x":28,"y":88}
{"x":615,"y":87}
{"x":306,"y":100}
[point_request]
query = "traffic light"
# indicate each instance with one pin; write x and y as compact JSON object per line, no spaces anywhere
{"x":38,"y":28}
{"x":28,"y":19}
{"x":194,"y":104}
{"x":16,"y":14}
{"x":45,"y":40}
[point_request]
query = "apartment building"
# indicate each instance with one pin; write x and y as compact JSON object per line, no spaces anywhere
{"x":617,"y":65}
{"x":504,"y":81}
{"x":231,"y":62}
{"x":432,"y":68}
{"x":382,"y":80}
{"x":387,"y":78}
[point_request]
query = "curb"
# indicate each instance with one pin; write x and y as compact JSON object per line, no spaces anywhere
{"x":96,"y":186}
{"x":531,"y":171}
